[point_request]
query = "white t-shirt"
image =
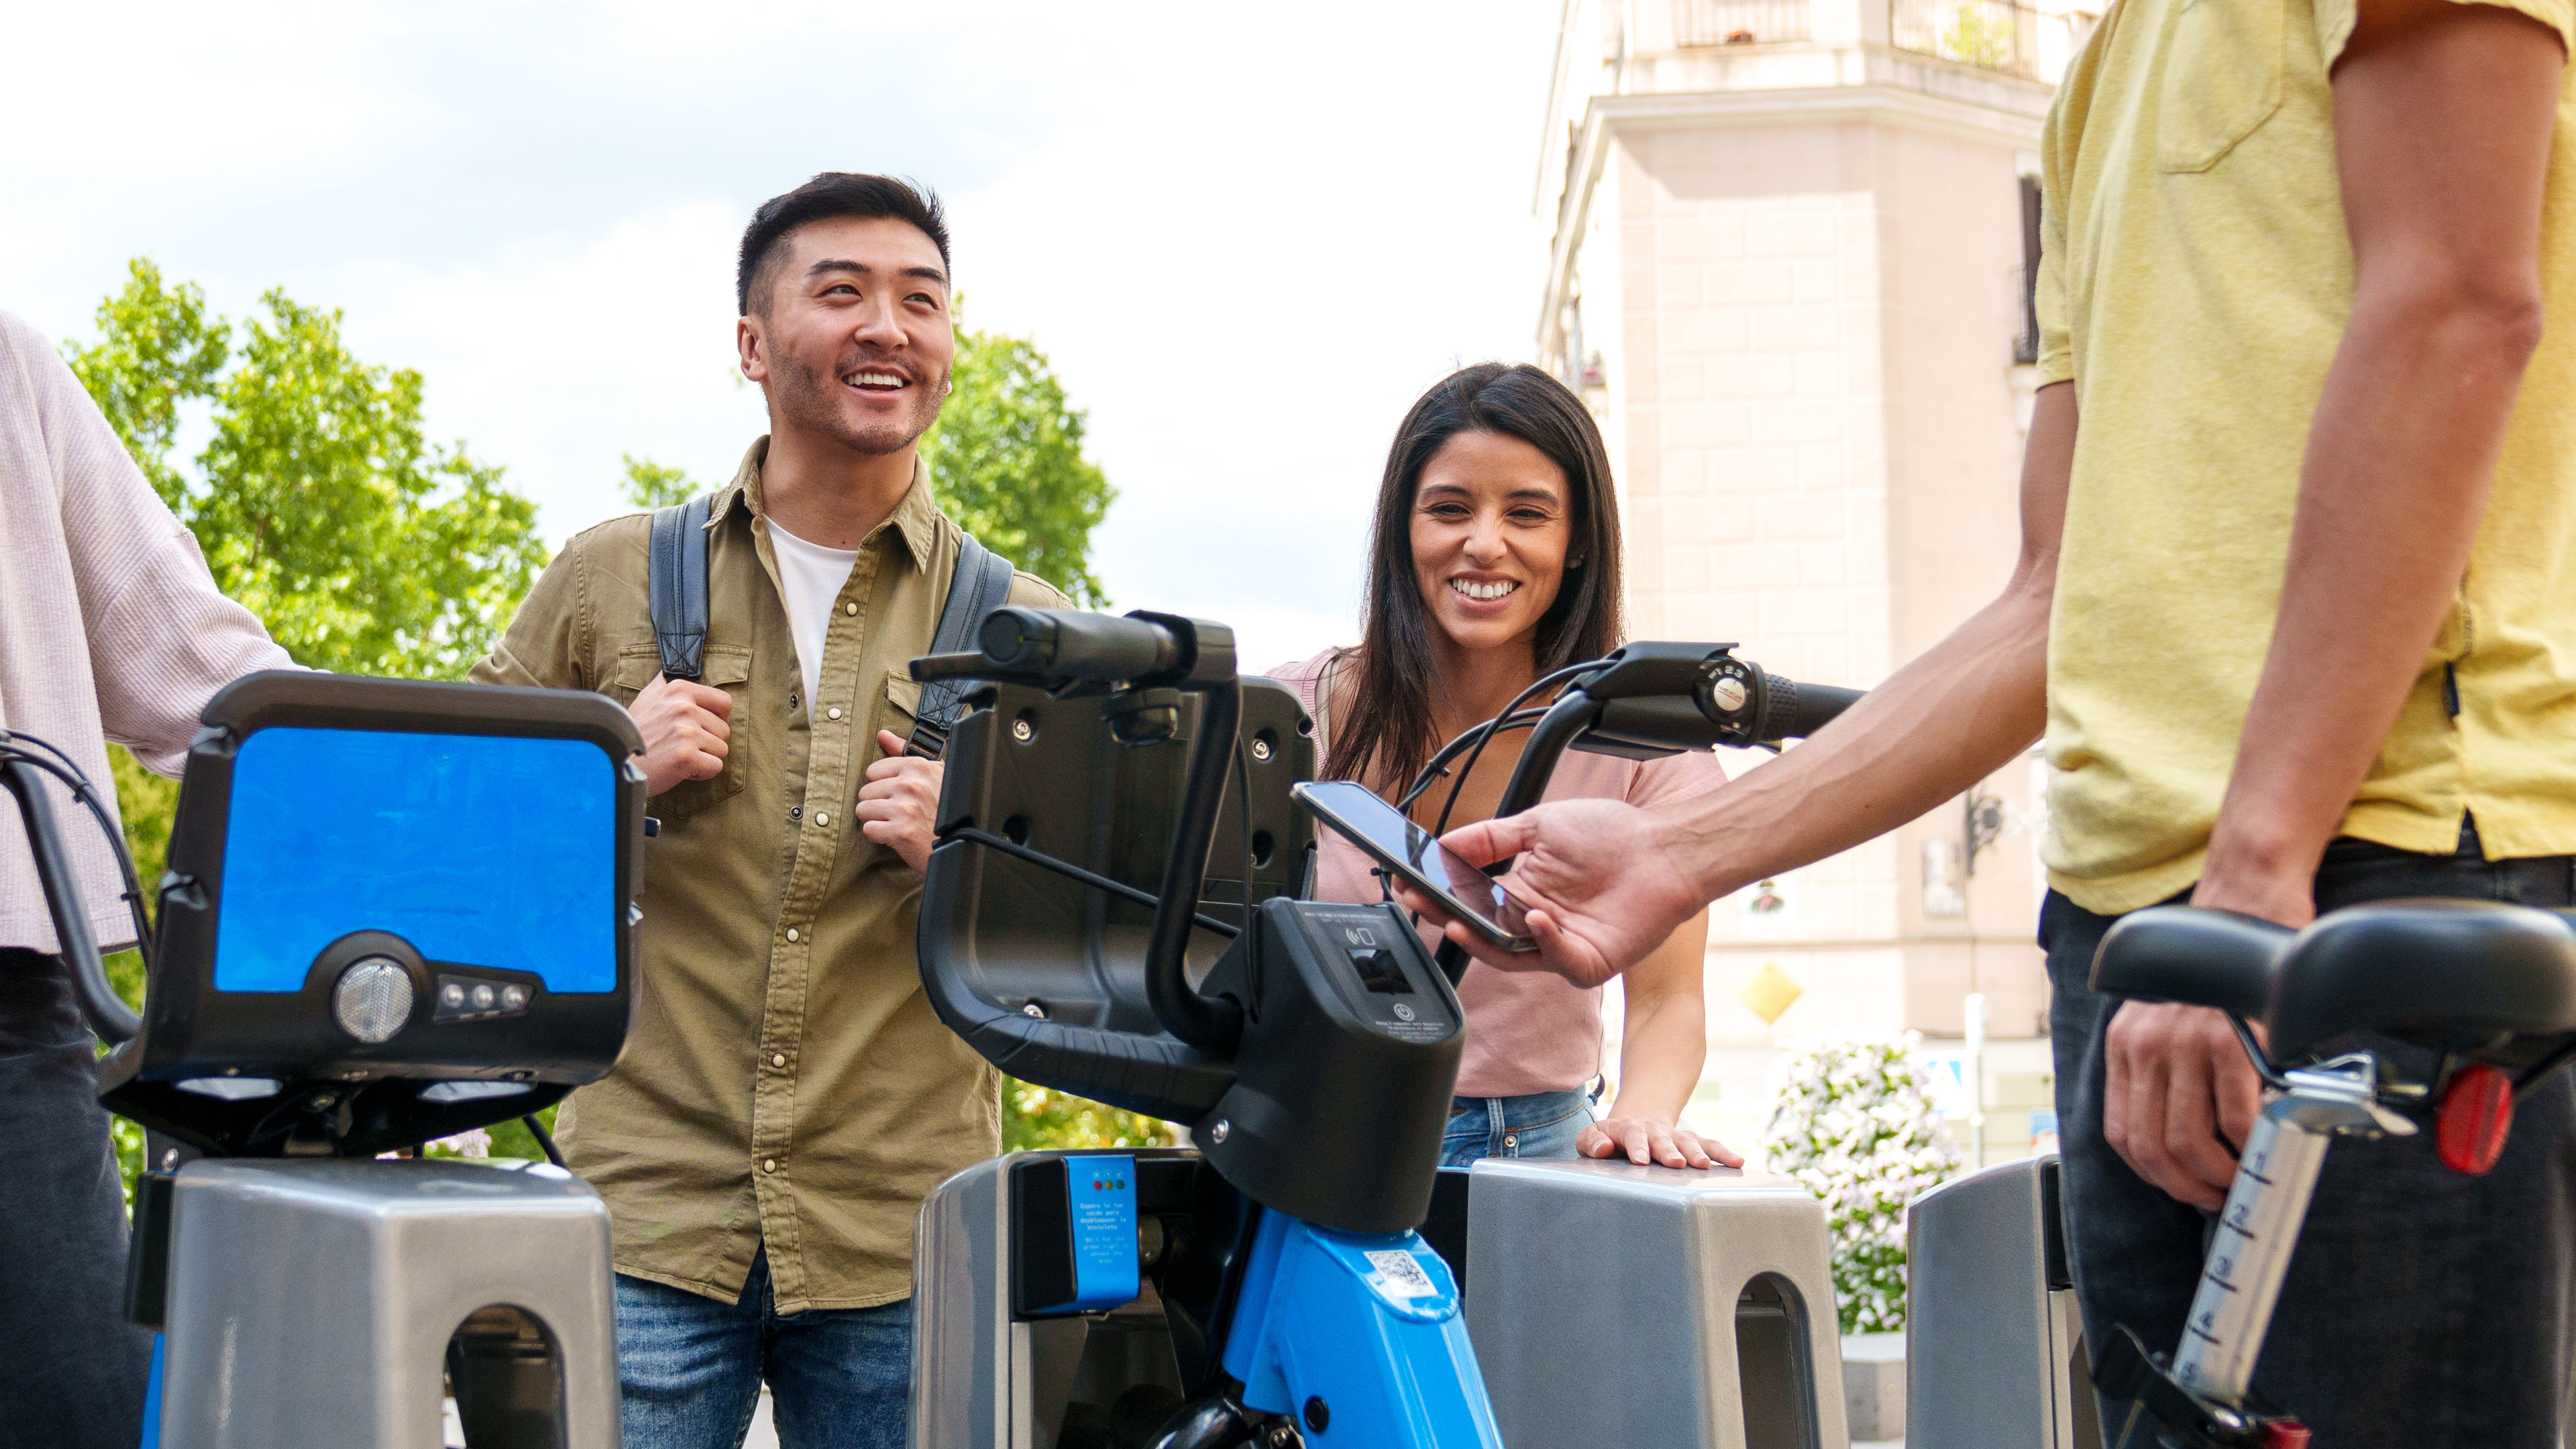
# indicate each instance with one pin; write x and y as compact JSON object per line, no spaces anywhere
{"x":811,"y":575}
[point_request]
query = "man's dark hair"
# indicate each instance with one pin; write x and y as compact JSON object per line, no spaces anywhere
{"x":829,"y":196}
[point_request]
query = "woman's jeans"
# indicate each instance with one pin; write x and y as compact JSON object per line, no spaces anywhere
{"x":72,"y":1370}
{"x":691,"y":1368}
{"x":1542,"y":1124}
{"x":2423,"y":1307}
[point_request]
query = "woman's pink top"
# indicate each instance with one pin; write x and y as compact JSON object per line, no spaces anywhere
{"x":1527,"y":1031}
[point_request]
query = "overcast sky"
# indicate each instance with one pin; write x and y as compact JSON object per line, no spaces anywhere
{"x":1248,"y":236}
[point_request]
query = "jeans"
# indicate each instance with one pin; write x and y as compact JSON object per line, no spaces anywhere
{"x":72,"y":1370}
{"x":1541,"y":1124}
{"x":691,"y":1369}
{"x":2423,"y":1306}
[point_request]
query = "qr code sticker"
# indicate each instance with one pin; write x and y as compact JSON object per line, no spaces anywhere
{"x":1401,"y":1276}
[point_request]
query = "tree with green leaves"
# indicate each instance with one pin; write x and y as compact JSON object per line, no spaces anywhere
{"x":1005,"y":462}
{"x":319,"y":502}
{"x":650,"y":485}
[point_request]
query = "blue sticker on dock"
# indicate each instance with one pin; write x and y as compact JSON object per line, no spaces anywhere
{"x":1102,"y":1190}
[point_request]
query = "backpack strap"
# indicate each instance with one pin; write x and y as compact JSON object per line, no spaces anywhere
{"x":981,"y":584}
{"x":675,"y":586}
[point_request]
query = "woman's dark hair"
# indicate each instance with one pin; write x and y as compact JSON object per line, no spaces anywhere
{"x":1379,"y":712}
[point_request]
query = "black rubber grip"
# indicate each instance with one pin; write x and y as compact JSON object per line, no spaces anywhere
{"x":1793,"y":711}
{"x":1070,"y":644}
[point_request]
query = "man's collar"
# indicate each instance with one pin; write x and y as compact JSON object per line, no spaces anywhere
{"x":915,"y":519}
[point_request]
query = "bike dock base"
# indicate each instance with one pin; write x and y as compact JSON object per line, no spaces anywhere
{"x":320,"y":1302}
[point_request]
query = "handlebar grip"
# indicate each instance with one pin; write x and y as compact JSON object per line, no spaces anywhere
{"x":1072,"y":644}
{"x":1793,"y":711}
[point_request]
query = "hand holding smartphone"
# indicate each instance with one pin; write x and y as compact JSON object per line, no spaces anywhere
{"x":1399,"y":845}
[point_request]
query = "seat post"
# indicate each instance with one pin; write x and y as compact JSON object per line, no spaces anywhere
{"x":2257,"y":1231}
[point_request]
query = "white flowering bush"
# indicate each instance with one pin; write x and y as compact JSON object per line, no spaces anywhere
{"x":1855,"y":1125}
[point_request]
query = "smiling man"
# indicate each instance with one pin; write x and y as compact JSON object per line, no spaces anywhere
{"x":787,"y":1097}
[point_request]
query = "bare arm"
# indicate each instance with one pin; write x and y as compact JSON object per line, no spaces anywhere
{"x":1610,"y":881}
{"x":2443,"y":119}
{"x":1661,"y":1050}
{"x":1955,"y":715}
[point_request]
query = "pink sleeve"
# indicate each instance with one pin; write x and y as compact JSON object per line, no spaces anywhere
{"x":1676,"y":777}
{"x":161,"y":637}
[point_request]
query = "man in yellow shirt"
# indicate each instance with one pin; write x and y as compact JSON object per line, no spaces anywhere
{"x":2296,"y":606}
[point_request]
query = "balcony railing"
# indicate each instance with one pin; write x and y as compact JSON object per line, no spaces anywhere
{"x":1738,"y":22}
{"x":1991,"y":34}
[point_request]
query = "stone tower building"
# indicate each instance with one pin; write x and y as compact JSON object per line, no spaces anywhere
{"x":1789,"y":271}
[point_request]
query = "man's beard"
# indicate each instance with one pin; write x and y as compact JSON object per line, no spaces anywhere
{"x":812,"y":401}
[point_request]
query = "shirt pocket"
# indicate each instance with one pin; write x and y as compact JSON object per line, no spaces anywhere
{"x":901,"y":707}
{"x":2222,"y":79}
{"x":728,"y":669}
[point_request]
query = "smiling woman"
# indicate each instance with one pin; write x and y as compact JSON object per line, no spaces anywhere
{"x":1496,"y":560}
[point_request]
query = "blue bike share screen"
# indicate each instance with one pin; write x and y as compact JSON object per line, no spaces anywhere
{"x":479,"y":850}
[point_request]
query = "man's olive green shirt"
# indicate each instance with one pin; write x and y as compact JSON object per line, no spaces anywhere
{"x":786,"y":1084}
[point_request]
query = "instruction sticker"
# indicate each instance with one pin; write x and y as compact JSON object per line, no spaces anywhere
{"x":1399,"y":1276}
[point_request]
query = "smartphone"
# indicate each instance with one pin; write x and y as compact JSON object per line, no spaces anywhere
{"x":1415,"y":854}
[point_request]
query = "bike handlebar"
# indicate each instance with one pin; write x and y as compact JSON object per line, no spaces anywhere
{"x":1649,"y":699}
{"x":1067,"y":645}
{"x":1057,"y":649}
{"x":1662,"y":698}
{"x":107,"y":1013}
{"x":1793,"y":711}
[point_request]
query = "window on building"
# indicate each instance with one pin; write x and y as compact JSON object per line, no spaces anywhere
{"x":2026,"y":346}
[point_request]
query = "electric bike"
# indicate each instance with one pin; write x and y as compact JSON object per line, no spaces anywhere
{"x":394,"y":911}
{"x":1112,"y":908}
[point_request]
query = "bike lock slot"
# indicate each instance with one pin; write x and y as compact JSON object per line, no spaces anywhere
{"x":1775,"y":1373}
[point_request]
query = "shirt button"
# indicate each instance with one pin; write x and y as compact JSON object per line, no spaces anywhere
{"x":822,"y":817}
{"x":833,"y":713}
{"x":851,"y":608}
{"x":769,"y":1164}
{"x":778,"y":1059}
{"x":795,"y":812}
{"x":791,"y":933}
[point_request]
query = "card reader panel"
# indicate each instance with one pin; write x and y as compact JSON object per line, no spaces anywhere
{"x":1075,"y":1246}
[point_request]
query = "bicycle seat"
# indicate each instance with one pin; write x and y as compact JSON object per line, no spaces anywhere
{"x":2199,"y":957}
{"x":2428,"y":970}
{"x":2435,"y":971}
